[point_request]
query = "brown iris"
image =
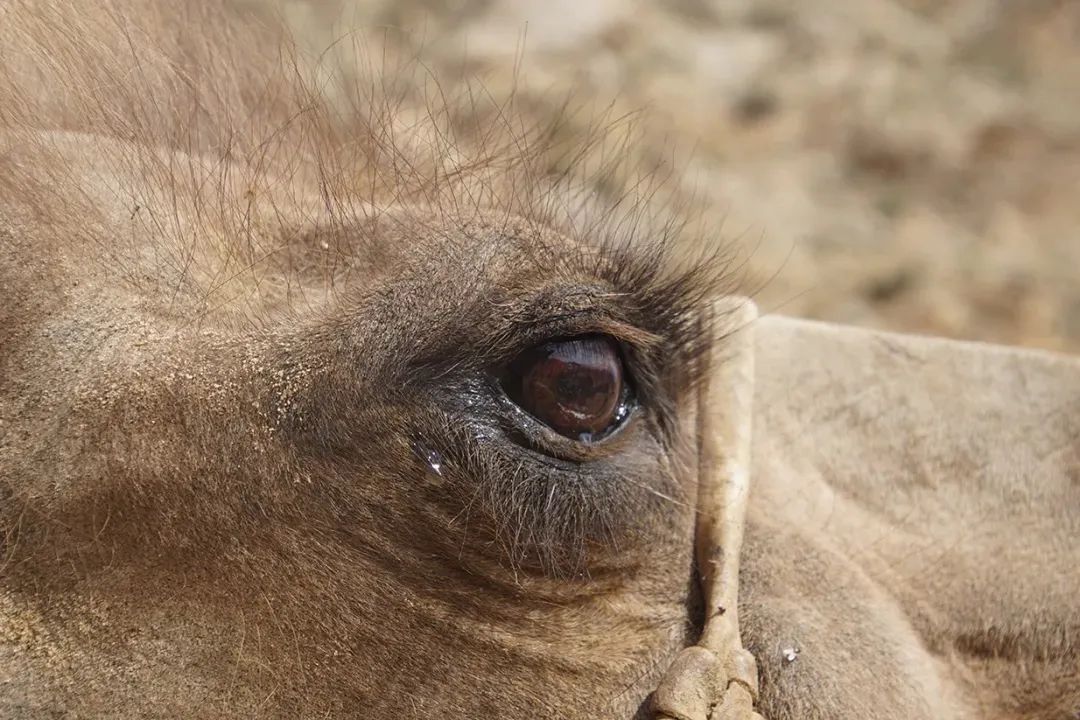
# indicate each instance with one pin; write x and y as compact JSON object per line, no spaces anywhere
{"x":574,"y":386}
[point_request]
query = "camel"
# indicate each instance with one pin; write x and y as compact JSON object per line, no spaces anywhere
{"x":305,"y":412}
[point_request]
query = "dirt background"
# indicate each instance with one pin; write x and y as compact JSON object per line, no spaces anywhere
{"x":904,"y":164}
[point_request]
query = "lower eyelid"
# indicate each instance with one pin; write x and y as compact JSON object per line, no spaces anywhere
{"x":530,"y":433}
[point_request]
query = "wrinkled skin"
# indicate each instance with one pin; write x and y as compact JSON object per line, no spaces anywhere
{"x":223,"y":386}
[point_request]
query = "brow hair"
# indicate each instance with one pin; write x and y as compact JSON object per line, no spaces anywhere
{"x":276,"y":153}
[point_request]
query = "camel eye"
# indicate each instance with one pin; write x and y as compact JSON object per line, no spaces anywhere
{"x":576,"y":386}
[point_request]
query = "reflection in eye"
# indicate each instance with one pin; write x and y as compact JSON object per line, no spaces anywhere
{"x":576,"y":386}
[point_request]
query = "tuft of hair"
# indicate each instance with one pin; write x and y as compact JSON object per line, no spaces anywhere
{"x":218,"y":115}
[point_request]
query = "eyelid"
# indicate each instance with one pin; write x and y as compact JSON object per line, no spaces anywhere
{"x":549,"y":445}
{"x":580,"y":309}
{"x":593,"y":323}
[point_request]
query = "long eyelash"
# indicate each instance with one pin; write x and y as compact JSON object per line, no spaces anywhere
{"x":664,"y":281}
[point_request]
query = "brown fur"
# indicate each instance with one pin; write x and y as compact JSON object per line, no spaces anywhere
{"x":245,"y":300}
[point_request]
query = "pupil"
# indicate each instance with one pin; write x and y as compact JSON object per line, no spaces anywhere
{"x":578,"y":383}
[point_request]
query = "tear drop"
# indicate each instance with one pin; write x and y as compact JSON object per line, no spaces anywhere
{"x":433,"y":459}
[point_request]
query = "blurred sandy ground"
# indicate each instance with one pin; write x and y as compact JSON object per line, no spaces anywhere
{"x":905,"y":164}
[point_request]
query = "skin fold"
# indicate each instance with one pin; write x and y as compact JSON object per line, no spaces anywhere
{"x":255,"y":460}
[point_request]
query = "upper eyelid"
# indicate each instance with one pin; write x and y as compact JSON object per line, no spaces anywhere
{"x":634,"y":344}
{"x":533,"y":323}
{"x":598,"y":312}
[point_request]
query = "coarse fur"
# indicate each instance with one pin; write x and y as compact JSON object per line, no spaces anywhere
{"x":253,"y":460}
{"x":246,"y":303}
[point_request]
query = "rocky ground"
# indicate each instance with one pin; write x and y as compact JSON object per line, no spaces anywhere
{"x":906,"y":164}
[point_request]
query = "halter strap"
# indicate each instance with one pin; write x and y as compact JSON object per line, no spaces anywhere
{"x":716,"y":679}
